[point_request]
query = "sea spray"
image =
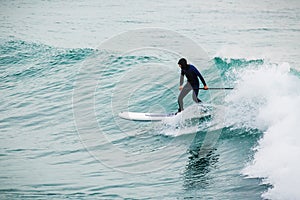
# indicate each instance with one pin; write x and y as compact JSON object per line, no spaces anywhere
{"x":267,"y":97}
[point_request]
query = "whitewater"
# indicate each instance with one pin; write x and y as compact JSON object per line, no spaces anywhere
{"x":266,"y":98}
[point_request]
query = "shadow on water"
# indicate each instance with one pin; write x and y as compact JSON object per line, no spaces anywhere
{"x":196,"y":174}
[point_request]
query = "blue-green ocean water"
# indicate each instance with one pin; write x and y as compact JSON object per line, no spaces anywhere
{"x":61,"y":92}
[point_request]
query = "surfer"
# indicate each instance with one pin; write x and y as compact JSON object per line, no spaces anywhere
{"x":192,"y":75}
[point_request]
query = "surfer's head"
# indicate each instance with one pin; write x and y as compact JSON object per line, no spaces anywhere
{"x":182,"y":63}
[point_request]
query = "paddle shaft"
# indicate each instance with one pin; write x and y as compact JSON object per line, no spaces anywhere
{"x":224,"y":88}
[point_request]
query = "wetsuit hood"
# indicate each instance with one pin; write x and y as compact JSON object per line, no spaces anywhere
{"x":183,"y":63}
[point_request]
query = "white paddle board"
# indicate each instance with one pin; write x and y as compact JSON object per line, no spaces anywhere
{"x":145,"y":116}
{"x":138,"y":116}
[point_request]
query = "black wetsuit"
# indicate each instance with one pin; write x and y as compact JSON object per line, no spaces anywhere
{"x":192,"y":75}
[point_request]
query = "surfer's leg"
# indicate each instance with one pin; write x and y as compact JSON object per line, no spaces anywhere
{"x":195,"y":94}
{"x":185,"y":90}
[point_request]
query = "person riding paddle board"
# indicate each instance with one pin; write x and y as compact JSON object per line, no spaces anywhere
{"x":192,"y":74}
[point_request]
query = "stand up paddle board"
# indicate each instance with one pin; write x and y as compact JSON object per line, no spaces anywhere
{"x":137,"y":116}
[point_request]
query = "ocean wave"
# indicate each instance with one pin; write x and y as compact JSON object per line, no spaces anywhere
{"x":20,"y":59}
{"x":266,"y":97}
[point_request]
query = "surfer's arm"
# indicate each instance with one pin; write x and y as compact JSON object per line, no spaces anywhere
{"x":201,"y":77}
{"x":181,"y":78}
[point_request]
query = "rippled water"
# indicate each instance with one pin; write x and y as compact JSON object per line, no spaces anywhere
{"x":68,"y":68}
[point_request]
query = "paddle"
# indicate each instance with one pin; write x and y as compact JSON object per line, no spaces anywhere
{"x":224,"y":88}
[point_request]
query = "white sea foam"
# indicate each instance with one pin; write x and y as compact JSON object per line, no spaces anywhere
{"x":186,"y":122}
{"x":268,"y":98}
